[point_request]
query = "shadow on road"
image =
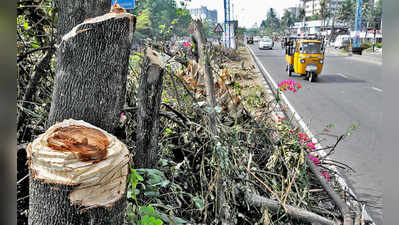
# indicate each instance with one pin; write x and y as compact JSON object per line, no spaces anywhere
{"x":329,"y":78}
{"x":333,"y":78}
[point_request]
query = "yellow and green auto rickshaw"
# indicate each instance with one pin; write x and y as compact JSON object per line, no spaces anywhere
{"x":304,"y":57}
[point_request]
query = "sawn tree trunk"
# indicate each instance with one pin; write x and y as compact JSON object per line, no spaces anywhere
{"x":91,"y":72}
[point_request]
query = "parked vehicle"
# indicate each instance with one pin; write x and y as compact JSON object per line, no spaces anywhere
{"x":250,"y":40}
{"x":266,"y":43}
{"x":304,"y":57}
{"x":342,"y":41}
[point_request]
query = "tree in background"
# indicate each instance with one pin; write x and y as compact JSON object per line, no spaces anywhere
{"x":324,"y":12}
{"x":161,"y":18}
{"x":301,"y":15}
{"x":253,"y":32}
{"x":271,"y":24}
{"x":313,"y":17}
{"x":346,"y":12}
{"x":372,"y":15}
{"x":144,"y":24}
{"x":287,"y":20}
{"x":209,"y":26}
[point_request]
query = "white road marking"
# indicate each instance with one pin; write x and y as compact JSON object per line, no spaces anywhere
{"x":342,"y":75}
{"x":377,"y":89}
{"x":305,"y":128}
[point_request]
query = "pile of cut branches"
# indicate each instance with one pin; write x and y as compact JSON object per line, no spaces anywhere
{"x":258,"y":166}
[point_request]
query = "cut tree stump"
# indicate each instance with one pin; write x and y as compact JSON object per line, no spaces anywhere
{"x":149,"y":103}
{"x":91,"y":72}
{"x":77,"y":176}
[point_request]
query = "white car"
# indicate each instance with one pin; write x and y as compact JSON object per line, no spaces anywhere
{"x":341,"y":41}
{"x":266,"y":43}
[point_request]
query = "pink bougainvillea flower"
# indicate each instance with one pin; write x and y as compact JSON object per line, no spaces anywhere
{"x":326,"y":129}
{"x":314,"y":159}
{"x":311,"y":145}
{"x":123,"y":116}
{"x":326,"y":175}
{"x":187,"y":44}
{"x":298,"y":85}
{"x":303,"y":136}
{"x":290,"y":85}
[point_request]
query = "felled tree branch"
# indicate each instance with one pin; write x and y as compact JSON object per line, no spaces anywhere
{"x":295,"y":212}
{"x":39,"y":71}
{"x":343,"y":207}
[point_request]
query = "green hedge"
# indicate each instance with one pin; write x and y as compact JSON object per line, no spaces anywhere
{"x":366,"y":45}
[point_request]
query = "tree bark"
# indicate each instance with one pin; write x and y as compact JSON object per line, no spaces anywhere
{"x":149,"y":103}
{"x":60,"y":210}
{"x":74,"y":12}
{"x":295,"y":212}
{"x":92,"y":65}
{"x":347,"y":214}
{"x":91,"y":73}
{"x":204,"y":60}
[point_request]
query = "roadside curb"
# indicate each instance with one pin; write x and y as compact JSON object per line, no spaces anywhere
{"x":363,"y":58}
{"x":297,"y":120}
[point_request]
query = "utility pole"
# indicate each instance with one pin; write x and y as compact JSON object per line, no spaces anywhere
{"x":358,"y":24}
{"x":227,"y":22}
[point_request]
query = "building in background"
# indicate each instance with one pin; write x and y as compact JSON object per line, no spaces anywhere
{"x":312,"y":7}
{"x":294,"y":11}
{"x":314,"y":28}
{"x":204,"y":13}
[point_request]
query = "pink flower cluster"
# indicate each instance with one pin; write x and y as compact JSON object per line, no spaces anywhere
{"x":314,"y":159}
{"x":187,"y":44}
{"x":290,"y":85}
{"x":326,"y":175}
{"x":305,"y":140}
{"x":311,"y":146}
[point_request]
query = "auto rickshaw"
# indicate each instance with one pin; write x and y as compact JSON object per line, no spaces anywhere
{"x":304,"y":56}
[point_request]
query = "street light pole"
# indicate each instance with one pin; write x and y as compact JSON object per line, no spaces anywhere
{"x":358,"y":23}
{"x":227,"y":22}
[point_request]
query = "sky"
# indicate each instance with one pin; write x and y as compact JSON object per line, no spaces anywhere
{"x":247,"y":12}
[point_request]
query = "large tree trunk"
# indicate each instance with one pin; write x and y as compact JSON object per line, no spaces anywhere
{"x":74,"y":12}
{"x":70,"y":13}
{"x":92,"y":65}
{"x":149,"y":103}
{"x":91,"y":73}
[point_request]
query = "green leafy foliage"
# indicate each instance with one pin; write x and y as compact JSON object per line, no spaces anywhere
{"x":148,"y":216}
{"x":161,"y":19}
{"x":134,"y":178}
{"x":272,"y":23}
{"x":143,"y":21}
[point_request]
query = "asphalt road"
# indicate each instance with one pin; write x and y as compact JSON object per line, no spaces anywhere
{"x":347,"y":92}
